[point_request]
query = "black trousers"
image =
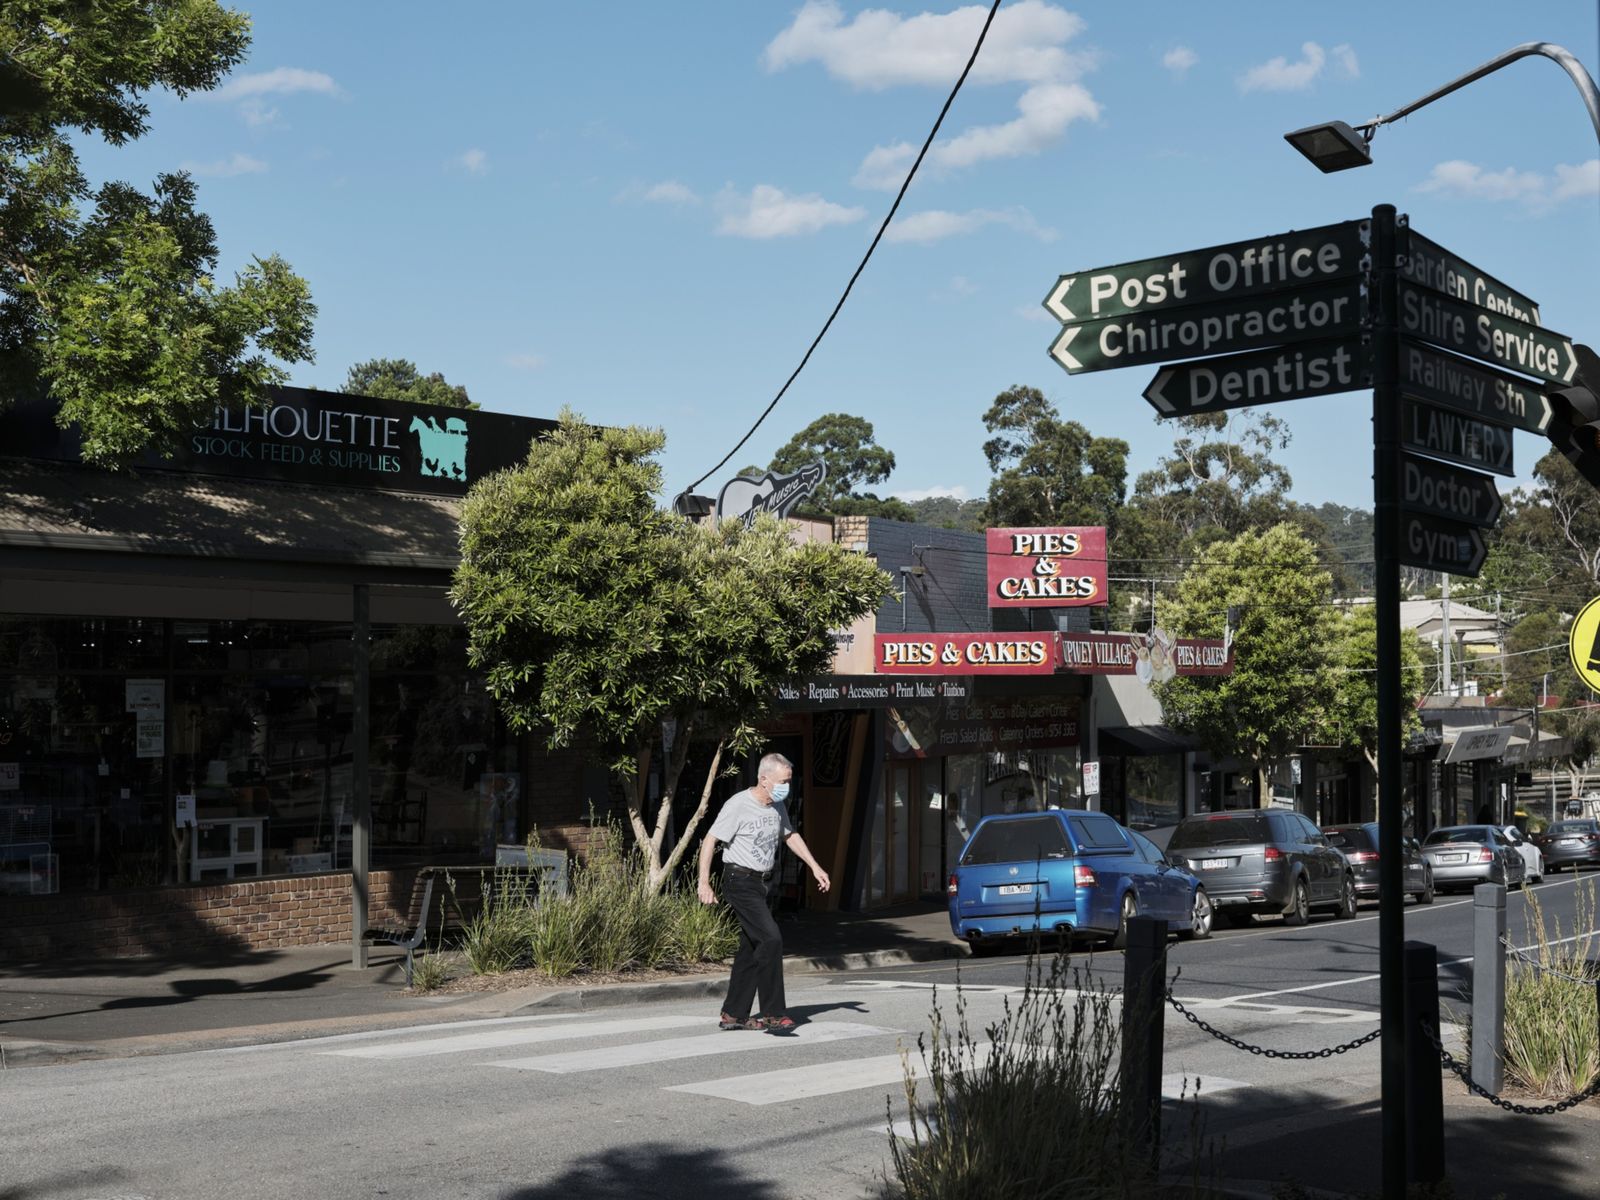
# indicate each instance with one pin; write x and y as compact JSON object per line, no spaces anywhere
{"x":758,"y":966}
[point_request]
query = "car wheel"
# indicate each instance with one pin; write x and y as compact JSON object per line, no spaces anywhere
{"x":1130,"y":910}
{"x":1201,"y":916}
{"x":1299,"y":911}
{"x":1425,"y":896}
{"x":1347,"y":899}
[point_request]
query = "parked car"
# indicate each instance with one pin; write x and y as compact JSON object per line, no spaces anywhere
{"x":1463,"y":856}
{"x":1532,"y":856}
{"x":1268,"y":861}
{"x":1569,"y":843}
{"x":1066,"y":872}
{"x":1360,"y":845}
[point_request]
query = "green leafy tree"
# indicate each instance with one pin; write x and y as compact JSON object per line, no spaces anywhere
{"x":1537,"y":668}
{"x":108,"y":303}
{"x":848,"y":447}
{"x":592,"y":611}
{"x":399,"y":379}
{"x":1285,"y":644}
{"x":948,"y":512}
{"x":1562,"y":521}
{"x":1353,"y":716}
{"x":1046,"y":471}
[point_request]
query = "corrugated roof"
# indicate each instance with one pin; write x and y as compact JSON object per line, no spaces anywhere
{"x":57,"y":506}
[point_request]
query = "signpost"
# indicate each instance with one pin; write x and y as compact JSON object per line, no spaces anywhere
{"x":1445,"y":433}
{"x":1433,"y":487}
{"x":1434,"y":544}
{"x":1490,"y":336}
{"x":1259,"y":377}
{"x":1490,"y":395}
{"x":1431,"y":265}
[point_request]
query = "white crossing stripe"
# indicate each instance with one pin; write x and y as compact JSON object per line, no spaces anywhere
{"x":1185,"y":1087}
{"x":495,"y":1039}
{"x":822,"y":1079}
{"x":639,"y":1054}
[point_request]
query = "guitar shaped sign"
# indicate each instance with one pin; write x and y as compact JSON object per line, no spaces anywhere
{"x":744,"y":497}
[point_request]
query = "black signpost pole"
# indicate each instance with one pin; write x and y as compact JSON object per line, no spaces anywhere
{"x":1386,"y":537}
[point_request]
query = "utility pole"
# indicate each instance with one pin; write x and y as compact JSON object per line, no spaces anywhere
{"x":1444,"y":635}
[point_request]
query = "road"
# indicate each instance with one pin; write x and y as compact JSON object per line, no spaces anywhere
{"x":655,"y":1101}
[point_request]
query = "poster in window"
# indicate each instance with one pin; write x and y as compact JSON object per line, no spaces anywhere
{"x":150,"y":739}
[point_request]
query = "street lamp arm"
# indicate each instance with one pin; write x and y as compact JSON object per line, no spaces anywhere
{"x":1581,"y":77}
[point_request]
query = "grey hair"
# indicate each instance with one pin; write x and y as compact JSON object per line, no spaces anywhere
{"x":770,"y":763}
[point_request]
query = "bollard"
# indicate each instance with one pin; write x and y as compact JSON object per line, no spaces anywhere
{"x":1488,"y":986}
{"x":1144,"y":1002}
{"x":1424,"y":1085}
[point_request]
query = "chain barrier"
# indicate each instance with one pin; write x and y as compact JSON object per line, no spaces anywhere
{"x":1527,"y":1110}
{"x":1263,"y":1051}
{"x":1522,"y":957}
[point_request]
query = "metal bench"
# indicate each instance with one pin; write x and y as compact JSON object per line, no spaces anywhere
{"x":407,"y":937}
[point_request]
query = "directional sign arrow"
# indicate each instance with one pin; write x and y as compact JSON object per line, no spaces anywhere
{"x":1504,"y":341}
{"x":1260,"y":377}
{"x":1261,"y":265}
{"x":1433,"y":487}
{"x":1299,"y":315}
{"x":1440,"y":378}
{"x":1434,"y":544}
{"x":1431,"y":265}
{"x":1444,"y":433}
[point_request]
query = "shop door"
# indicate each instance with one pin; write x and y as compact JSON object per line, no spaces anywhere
{"x":930,"y":828}
{"x":902,"y":819}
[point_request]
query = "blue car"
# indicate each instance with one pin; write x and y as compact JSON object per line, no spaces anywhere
{"x":1067,"y":872}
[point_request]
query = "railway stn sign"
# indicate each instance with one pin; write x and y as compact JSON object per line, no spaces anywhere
{"x":1429,"y":486}
{"x":1431,"y":265}
{"x":1447,"y":434}
{"x":1482,"y":334}
{"x":1481,"y":392}
{"x":1254,"y":323}
{"x":1260,"y":377}
{"x":1435,"y":544}
{"x":1287,"y":260}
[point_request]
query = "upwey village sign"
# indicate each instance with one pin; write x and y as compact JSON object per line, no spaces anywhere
{"x":1154,"y":657}
{"x":327,"y":438}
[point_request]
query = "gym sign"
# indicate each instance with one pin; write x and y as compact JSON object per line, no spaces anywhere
{"x":1047,"y":568}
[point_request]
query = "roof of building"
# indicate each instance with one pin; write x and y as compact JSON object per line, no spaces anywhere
{"x":1416,"y":613}
{"x":52,"y":506}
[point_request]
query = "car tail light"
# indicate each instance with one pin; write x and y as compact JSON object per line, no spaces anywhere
{"x":1082,"y":876}
{"x":1485,"y":855}
{"x":1272,"y":854}
{"x":954,"y":885}
{"x":1362,"y":856}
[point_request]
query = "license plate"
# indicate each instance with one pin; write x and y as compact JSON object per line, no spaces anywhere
{"x":1214,"y":864}
{"x":1016,"y":889}
{"x":1452,"y":858}
{"x":1567,"y":842}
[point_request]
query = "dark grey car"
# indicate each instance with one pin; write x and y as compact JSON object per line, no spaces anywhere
{"x":1269,"y":861}
{"x":1360,"y":845}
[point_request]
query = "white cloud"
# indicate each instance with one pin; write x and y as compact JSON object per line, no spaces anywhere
{"x":960,"y":285}
{"x":1346,"y":58}
{"x":525,"y":362}
{"x":935,"y":225}
{"x":1281,"y":75}
{"x":1037,"y":314}
{"x":236,"y":164}
{"x":473,"y":161}
{"x":1179,"y":59}
{"x":281,"y":81}
{"x":670,"y":191}
{"x":1536,"y":192}
{"x":769,"y":212}
{"x":884,"y":168}
{"x":958,"y":492}
{"x":881,"y":49}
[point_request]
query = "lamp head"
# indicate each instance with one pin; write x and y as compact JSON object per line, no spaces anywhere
{"x":1333,"y":146}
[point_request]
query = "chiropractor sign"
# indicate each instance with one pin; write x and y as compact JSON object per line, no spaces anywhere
{"x":1062,"y":567}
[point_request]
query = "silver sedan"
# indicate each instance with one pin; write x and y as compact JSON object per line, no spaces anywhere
{"x":1463,"y":856}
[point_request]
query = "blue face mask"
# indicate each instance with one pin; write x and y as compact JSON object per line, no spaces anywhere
{"x":780,"y":792}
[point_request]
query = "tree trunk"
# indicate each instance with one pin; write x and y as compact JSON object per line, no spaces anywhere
{"x":687,"y":838}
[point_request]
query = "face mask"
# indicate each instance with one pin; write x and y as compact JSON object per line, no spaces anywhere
{"x":780,"y":792}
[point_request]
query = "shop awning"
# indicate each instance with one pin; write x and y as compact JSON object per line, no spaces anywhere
{"x":1138,"y":740}
{"x":54,"y":513}
{"x":1475,"y":742}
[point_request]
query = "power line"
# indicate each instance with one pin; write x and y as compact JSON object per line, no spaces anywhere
{"x":893,"y":208}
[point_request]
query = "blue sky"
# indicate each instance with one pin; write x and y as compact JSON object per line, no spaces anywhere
{"x":645,"y":210}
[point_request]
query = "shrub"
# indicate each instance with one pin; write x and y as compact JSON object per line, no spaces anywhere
{"x":429,"y":972}
{"x":701,"y":932}
{"x":1552,"y":1042}
{"x":499,"y":937}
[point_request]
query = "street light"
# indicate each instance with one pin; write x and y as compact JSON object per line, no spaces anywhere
{"x":1335,"y":146}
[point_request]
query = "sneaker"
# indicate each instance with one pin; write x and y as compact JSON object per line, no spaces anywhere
{"x":728,"y":1022}
{"x":782,"y":1026}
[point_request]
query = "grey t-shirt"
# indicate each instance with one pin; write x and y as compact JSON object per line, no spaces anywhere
{"x":750,"y":831}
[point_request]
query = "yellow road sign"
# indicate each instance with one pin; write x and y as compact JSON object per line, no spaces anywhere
{"x":1584,"y":644}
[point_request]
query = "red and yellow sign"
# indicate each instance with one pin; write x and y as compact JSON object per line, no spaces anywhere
{"x":965,"y":653}
{"x":1062,"y":567}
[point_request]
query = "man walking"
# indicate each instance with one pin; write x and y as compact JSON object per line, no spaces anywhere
{"x":750,"y":825}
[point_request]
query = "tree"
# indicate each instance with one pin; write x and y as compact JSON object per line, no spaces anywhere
{"x":1563,"y":521}
{"x":949,"y":512}
{"x":1285,"y":643}
{"x":593,"y":612}
{"x":1047,"y":471}
{"x":1353,"y":718}
{"x":1538,"y":668}
{"x":107,"y":301}
{"x":399,"y":379}
{"x":849,"y":448}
